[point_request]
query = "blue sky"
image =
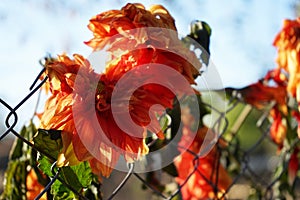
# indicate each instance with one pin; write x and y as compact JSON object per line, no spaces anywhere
{"x":241,"y":43}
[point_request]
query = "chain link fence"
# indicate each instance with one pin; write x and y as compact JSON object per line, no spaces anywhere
{"x":250,"y":157}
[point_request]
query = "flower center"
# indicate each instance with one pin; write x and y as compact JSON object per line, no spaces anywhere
{"x":101,"y":105}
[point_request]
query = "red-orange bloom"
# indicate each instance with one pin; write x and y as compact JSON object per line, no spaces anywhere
{"x":133,"y":32}
{"x":33,"y":187}
{"x":260,"y":94}
{"x":58,"y":108}
{"x":293,"y":166}
{"x":90,"y":94}
{"x":208,"y":181}
{"x":278,"y":128}
{"x":131,"y":16}
{"x":277,"y":76}
{"x":85,"y":104}
{"x":288,"y":45}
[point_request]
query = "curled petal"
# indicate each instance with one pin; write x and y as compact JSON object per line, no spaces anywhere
{"x":288,"y":44}
{"x":278,"y":128}
{"x":200,"y":184}
{"x":293,"y":166}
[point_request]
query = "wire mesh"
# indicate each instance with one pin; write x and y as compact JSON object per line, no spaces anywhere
{"x":254,"y":180}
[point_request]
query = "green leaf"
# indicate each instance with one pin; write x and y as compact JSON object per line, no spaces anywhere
{"x":15,"y":181}
{"x":60,"y":191}
{"x":164,"y":123}
{"x":31,"y":130}
{"x":21,"y":157}
{"x":17,"y":150}
{"x":79,"y":177}
{"x":70,"y":177}
{"x":45,"y":165}
{"x":84,"y":173}
{"x":175,"y":115}
{"x":48,"y":142}
{"x":200,"y":32}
